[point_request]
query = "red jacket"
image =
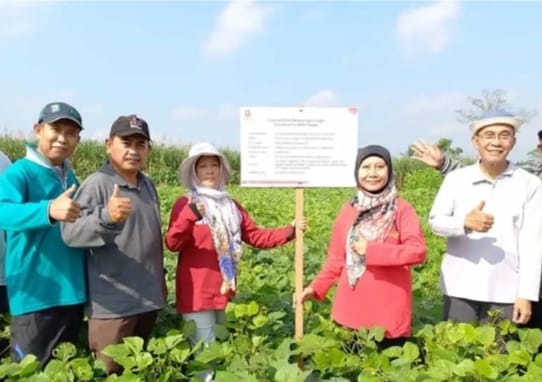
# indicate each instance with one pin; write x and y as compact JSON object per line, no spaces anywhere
{"x":198,"y":277}
{"x":383,"y":295}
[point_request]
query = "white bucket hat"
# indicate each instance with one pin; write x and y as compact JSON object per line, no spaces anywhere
{"x":187,"y":171}
{"x":496,"y":117}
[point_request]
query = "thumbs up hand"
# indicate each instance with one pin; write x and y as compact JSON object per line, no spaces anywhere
{"x":478,"y":220}
{"x":63,"y":208}
{"x":119,"y":207}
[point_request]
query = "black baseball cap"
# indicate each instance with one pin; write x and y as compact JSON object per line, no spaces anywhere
{"x":55,"y":111}
{"x":127,"y":125}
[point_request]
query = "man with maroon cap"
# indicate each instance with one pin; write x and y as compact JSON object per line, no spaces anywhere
{"x":120,"y":225}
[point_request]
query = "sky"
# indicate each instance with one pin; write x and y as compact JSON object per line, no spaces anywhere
{"x":187,"y":67}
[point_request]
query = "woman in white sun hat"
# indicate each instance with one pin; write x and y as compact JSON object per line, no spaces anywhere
{"x":207,"y":228}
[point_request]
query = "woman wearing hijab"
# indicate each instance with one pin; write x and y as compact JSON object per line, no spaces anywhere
{"x":375,"y":239}
{"x":207,"y":228}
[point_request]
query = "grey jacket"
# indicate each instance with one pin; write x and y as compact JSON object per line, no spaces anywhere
{"x":125,"y":260}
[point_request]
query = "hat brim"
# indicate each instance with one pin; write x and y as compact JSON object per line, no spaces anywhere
{"x":130,"y":133}
{"x":185,"y":169}
{"x":513,"y":122}
{"x":63,"y":117}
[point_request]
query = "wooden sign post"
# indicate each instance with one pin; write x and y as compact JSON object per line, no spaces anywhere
{"x":298,"y":147}
{"x":299,"y":249}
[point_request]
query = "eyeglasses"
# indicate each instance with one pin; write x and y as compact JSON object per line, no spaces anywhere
{"x":501,"y":137}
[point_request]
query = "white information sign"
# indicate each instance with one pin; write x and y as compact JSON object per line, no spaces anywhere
{"x":298,"y":146}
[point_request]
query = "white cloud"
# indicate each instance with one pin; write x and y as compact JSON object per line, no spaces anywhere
{"x":324,"y":97}
{"x":182,"y":114}
{"x":234,"y":26}
{"x":427,"y":28}
{"x":18,"y":18}
{"x":227,"y":112}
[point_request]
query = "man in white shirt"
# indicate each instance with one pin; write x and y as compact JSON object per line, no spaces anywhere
{"x":489,"y":213}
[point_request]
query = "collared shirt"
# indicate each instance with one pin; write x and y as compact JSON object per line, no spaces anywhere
{"x":125,"y":261}
{"x":41,"y":271}
{"x":504,"y":263}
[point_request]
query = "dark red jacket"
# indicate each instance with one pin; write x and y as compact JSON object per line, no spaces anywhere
{"x":198,"y":277}
{"x":383,"y":295}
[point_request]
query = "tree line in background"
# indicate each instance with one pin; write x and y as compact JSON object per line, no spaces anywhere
{"x":165,"y":160}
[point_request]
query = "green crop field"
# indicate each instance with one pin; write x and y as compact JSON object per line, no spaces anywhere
{"x":257,"y":343}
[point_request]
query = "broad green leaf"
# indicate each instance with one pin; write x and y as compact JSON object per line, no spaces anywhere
{"x":54,"y":367}
{"x":377,"y":334}
{"x":367,"y":378}
{"x":179,"y":355}
{"x":464,"y":368}
{"x":469,"y":332}
{"x":243,"y":344}
{"x":253,"y":308}
{"x":290,"y":373}
{"x":143,"y":360}
{"x":189,"y":329}
{"x":210,"y":353}
{"x":127,"y":377}
{"x":309,"y":344}
{"x":240,"y":310}
{"x":442,"y":370}
{"x":116,"y":351}
{"x":226,"y":376}
{"x":82,"y":369}
{"x":519,"y":357}
{"x":173,"y":341}
{"x":411,"y":351}
{"x":531,"y":339}
{"x":135,"y":344}
{"x":157,"y":346}
{"x":166,"y":377}
{"x":64,"y":352}
{"x":257,"y":341}
{"x":259,"y":321}
{"x":128,"y":363}
{"x":328,"y":359}
{"x":284,"y":350}
{"x":28,"y":365}
{"x":221,"y":332}
{"x":9,"y":369}
{"x":393,"y":351}
{"x":483,"y":368}
{"x":512,"y":346}
{"x":485,"y":335}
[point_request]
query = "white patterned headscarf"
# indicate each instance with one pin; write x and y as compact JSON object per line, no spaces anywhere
{"x":221,"y":213}
{"x":377,"y":213}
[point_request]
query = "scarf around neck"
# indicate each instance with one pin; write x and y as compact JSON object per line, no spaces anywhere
{"x":375,"y":220}
{"x":224,"y":221}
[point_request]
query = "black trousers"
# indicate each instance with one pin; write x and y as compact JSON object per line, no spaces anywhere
{"x":39,"y":332}
{"x":536,"y":317}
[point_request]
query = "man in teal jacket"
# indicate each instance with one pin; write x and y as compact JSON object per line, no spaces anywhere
{"x":4,"y":307}
{"x":45,"y":278}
